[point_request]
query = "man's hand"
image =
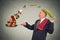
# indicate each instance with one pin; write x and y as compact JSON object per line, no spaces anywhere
{"x":53,"y":19}
{"x":24,"y":23}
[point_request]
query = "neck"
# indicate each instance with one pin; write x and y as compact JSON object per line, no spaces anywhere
{"x":42,"y":18}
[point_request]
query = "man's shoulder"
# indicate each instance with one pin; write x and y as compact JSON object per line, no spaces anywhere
{"x":37,"y":20}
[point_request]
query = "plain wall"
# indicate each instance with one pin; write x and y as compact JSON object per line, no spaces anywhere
{"x":29,"y":14}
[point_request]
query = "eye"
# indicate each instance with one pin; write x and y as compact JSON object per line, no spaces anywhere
{"x":40,"y":12}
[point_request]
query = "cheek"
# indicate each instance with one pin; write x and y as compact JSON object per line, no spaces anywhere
{"x":42,"y":15}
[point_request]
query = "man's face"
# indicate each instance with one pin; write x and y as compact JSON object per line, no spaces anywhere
{"x":42,"y":14}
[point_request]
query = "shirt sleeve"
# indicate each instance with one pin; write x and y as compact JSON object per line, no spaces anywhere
{"x":31,"y":27}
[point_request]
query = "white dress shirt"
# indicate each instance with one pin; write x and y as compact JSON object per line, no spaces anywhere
{"x":41,"y":20}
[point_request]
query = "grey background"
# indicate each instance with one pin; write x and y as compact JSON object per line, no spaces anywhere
{"x":29,"y":14}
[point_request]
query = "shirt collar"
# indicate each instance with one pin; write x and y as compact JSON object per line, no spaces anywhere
{"x":42,"y":19}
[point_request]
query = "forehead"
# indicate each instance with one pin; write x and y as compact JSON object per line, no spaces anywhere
{"x":42,"y":11}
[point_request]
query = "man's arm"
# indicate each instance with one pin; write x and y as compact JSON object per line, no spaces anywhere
{"x":50,"y":28}
{"x":31,"y":27}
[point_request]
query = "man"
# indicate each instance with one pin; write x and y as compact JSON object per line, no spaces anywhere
{"x":41,"y":27}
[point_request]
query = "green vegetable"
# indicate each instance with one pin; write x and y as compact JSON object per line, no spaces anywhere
{"x":48,"y":13}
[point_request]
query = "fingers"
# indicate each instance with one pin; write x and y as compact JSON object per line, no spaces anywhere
{"x":53,"y":19}
{"x":23,"y":24}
